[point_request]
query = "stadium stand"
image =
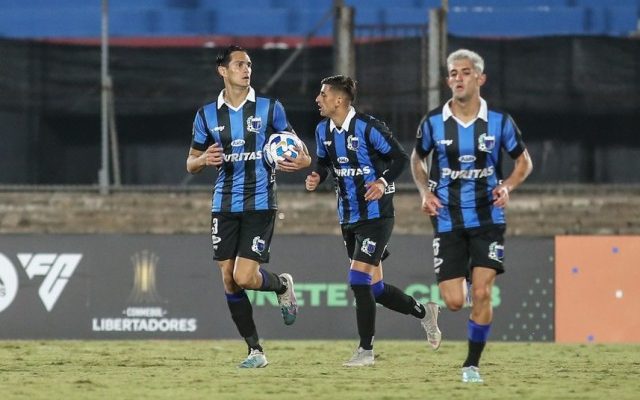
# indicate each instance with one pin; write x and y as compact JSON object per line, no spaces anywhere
{"x":479,"y":18}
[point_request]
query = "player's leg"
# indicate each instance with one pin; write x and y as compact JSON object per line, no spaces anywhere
{"x":451,"y":266}
{"x":224,"y":235}
{"x":360,"y":281}
{"x":487,"y":254}
{"x":256,"y":232}
{"x":394,"y":299}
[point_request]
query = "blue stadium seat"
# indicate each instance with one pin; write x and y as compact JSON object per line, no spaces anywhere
{"x":369,"y":16}
{"x":411,"y":16}
{"x":244,"y":4}
{"x":605,"y":3}
{"x":508,"y":3}
{"x":383,"y":3}
{"x":621,"y":21}
{"x":271,"y":22}
{"x":612,"y":21}
{"x":303,"y":4}
{"x":513,"y":22}
{"x":50,"y":22}
{"x":303,"y":21}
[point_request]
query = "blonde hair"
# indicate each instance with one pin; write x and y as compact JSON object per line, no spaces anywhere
{"x":465,"y":54}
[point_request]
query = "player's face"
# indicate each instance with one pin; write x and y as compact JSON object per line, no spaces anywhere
{"x":464,"y":80}
{"x":238,"y":72}
{"x":327,"y":101}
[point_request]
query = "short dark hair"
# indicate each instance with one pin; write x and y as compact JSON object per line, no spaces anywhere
{"x":224,"y":56}
{"x":342,"y":83}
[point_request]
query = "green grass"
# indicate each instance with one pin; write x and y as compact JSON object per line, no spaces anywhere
{"x":312,"y":370}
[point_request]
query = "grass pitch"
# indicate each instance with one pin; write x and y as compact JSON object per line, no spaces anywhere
{"x":312,"y":370}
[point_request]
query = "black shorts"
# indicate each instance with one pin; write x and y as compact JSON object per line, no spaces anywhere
{"x":455,"y":253}
{"x":366,"y":241}
{"x":245,"y":234}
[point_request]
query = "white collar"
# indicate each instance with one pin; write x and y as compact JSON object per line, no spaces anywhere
{"x":347,"y":121}
{"x":250,"y":97}
{"x":483,"y":113}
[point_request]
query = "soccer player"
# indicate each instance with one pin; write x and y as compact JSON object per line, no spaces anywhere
{"x":463,"y":192}
{"x":230,"y":134}
{"x":364,"y":159}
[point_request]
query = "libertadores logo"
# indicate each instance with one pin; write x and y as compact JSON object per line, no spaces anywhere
{"x":145,"y":311}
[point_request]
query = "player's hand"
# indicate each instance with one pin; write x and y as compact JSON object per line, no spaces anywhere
{"x":290,"y":164}
{"x":312,"y":181}
{"x":375,"y":190}
{"x":431,"y":204}
{"x":500,"y":196}
{"x":213,"y":155}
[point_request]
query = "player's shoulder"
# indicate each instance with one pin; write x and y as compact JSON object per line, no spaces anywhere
{"x":322,"y":125}
{"x":431,"y":114}
{"x":209,"y":105}
{"x":376,"y":123}
{"x":496,"y":112}
{"x":265,"y":97}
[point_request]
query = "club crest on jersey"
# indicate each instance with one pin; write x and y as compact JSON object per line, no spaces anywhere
{"x":327,"y":143}
{"x":218,"y":128}
{"x":486,"y":143}
{"x":353,"y":142}
{"x":368,"y":246}
{"x":496,"y":251}
{"x":258,"y":245}
{"x":254,"y":124}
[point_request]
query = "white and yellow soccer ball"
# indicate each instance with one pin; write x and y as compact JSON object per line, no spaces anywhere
{"x":281,"y":144}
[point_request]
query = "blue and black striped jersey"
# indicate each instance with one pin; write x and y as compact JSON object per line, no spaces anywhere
{"x":363,"y":152}
{"x":466,"y":164}
{"x":245,"y":180}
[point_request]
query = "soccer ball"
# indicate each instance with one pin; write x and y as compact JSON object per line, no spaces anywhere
{"x":281,"y":144}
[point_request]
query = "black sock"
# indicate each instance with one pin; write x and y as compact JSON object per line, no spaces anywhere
{"x":475,"y":351}
{"x":242,"y":315}
{"x":253,"y":342}
{"x":365,"y":314}
{"x":271,"y":282}
{"x":396,"y":300}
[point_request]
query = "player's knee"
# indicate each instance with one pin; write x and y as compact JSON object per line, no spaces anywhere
{"x":454,"y":304}
{"x":480,"y":294}
{"x":245,"y":281}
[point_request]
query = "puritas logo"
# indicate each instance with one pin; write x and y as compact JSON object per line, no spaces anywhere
{"x":56,"y":268}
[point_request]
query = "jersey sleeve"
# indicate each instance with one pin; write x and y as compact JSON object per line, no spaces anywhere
{"x":323,"y":163}
{"x":424,"y":140}
{"x":383,"y":142}
{"x":512,"y":138}
{"x":280,"y":122}
{"x":200,"y":139}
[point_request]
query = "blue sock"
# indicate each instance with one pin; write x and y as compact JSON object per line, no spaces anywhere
{"x":477,"y":335}
{"x":235,"y":297}
{"x":477,"y":332}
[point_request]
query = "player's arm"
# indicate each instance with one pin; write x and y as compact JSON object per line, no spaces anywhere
{"x":290,"y":164}
{"x":203,"y":151}
{"x":197,"y":160}
{"x":398,"y":161}
{"x":513,"y":143}
{"x":420,"y":172}
{"x":521,"y":170}
{"x":280,"y":123}
{"x":318,"y":175}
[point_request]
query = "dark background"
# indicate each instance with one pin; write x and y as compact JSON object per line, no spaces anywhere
{"x":576,"y":99}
